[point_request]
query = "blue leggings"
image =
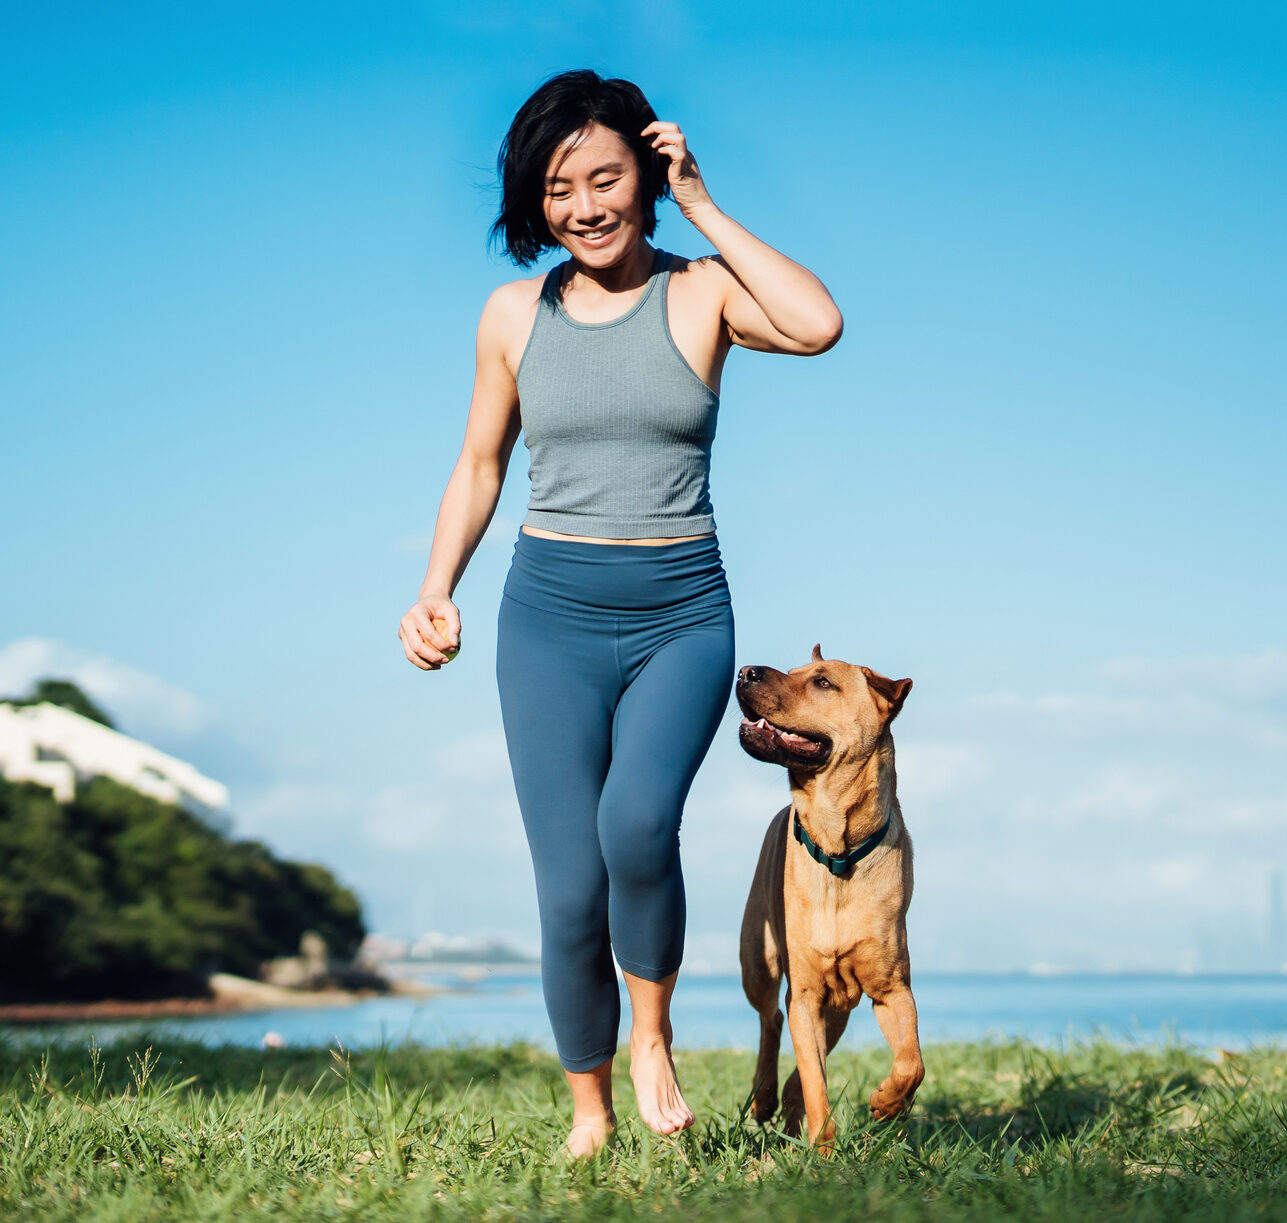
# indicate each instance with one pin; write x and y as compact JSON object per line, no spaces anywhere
{"x":614,"y":664}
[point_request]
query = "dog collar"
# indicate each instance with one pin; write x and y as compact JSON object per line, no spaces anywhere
{"x":839,"y":864}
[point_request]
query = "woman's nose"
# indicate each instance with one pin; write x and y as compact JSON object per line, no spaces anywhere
{"x":586,"y":207}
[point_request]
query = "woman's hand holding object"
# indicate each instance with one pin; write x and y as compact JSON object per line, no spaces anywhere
{"x":430,"y":632}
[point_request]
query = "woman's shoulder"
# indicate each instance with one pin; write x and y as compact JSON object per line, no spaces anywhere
{"x":521,"y":294}
{"x":508,"y":317}
{"x":511,"y":306}
{"x":704,"y":278}
{"x":704,"y":268}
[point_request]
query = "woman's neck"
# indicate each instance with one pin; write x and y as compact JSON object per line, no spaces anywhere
{"x":624,"y":277}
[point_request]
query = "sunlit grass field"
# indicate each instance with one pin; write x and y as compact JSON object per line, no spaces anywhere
{"x":162,"y":1128}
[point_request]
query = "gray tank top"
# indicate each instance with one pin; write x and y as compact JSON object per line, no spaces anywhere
{"x":618,"y":424}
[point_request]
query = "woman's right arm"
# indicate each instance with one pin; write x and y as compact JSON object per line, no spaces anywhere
{"x":474,"y":487}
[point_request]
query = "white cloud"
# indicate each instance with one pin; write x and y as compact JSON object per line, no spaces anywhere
{"x":481,"y":757}
{"x":1246,"y":678}
{"x":1121,"y":792}
{"x":734,"y":800}
{"x":464,"y":793}
{"x":284,"y":807}
{"x":404,"y":818}
{"x":932,"y":771}
{"x":1237,"y":698}
{"x":1183,"y":874}
{"x":141,"y":704}
{"x":1159,"y":798}
{"x":1130,"y":819}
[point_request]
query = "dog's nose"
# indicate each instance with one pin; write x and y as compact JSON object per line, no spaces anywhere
{"x":750,"y":675}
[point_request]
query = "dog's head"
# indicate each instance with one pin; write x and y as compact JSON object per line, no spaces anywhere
{"x":815,"y":717}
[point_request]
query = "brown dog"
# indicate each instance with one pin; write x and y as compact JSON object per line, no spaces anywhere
{"x":828,"y":904}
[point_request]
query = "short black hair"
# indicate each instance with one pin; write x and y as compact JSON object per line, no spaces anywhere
{"x":561,"y":106}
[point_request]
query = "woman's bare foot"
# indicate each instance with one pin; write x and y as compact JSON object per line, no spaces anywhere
{"x":587,"y":1135}
{"x":661,"y":1104}
{"x":592,"y":1115}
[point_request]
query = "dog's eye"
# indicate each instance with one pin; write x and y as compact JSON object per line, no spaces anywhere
{"x":823,"y":682}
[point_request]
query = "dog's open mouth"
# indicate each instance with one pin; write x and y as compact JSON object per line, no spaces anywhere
{"x":762,"y":738}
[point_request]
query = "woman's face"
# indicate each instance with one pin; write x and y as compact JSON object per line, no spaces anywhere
{"x":592,"y":203}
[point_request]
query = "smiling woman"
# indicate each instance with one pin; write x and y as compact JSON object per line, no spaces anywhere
{"x":615,"y":637}
{"x":618,"y":166}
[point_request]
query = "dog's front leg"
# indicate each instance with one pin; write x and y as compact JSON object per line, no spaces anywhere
{"x":896,"y":1014}
{"x":809,"y":1038}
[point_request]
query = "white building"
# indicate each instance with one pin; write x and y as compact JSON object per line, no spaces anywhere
{"x":55,"y":747}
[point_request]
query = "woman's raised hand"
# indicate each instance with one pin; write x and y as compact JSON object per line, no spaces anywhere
{"x":426,"y":646}
{"x":685,"y":178}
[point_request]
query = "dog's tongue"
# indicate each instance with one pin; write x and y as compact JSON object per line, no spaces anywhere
{"x":777,"y":732}
{"x":794,"y":740}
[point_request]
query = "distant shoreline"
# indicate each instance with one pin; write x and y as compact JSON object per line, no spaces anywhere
{"x":239,"y":995}
{"x":470,"y":966}
{"x":229,"y":995}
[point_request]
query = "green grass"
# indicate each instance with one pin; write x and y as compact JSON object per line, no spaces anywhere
{"x":162,"y":1128}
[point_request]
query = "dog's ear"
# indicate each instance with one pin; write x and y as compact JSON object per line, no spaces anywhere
{"x":817,"y":653}
{"x":889,"y":693}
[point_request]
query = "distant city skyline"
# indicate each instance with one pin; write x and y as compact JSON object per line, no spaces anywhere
{"x":244,"y":253}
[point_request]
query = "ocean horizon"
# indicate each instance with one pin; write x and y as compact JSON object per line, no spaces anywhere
{"x":480,"y":1004}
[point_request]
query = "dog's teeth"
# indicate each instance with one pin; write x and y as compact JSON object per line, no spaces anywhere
{"x":762,"y":724}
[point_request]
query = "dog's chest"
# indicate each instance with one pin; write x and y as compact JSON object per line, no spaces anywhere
{"x":833,"y":946}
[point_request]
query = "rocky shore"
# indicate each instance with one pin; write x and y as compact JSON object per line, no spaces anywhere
{"x":228,"y":994}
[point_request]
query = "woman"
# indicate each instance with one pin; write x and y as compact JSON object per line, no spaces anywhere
{"x":615,"y":634}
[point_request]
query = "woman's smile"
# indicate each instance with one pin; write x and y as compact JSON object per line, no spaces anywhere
{"x":595,"y":237}
{"x":592,"y":201}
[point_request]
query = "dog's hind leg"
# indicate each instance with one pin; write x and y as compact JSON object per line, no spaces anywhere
{"x":765,"y":1102}
{"x":762,"y":983}
{"x":764,"y":962}
{"x":792,"y":1093}
{"x":837,"y":1021}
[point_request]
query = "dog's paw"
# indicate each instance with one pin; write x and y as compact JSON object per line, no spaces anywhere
{"x":825,"y":1142}
{"x":792,"y":1106}
{"x":764,"y":1105}
{"x":891,"y":1098}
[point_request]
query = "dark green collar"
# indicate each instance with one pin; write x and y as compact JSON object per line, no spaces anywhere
{"x":840,"y":864}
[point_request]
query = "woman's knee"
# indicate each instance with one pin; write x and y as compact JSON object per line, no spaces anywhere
{"x":638,"y":834}
{"x":572,"y":912}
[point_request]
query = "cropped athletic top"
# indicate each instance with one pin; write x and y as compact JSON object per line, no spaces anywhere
{"x":618,"y":424}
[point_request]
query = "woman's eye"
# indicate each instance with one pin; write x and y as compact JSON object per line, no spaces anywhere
{"x":605,"y":186}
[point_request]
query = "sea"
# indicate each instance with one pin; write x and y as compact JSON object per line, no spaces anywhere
{"x":485,"y":1005}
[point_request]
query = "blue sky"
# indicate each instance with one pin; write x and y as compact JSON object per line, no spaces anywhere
{"x":243,"y":252}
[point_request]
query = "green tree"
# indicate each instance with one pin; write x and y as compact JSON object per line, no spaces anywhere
{"x":117,"y":894}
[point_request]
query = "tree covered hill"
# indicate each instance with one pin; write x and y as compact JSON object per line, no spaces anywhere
{"x":115,"y":894}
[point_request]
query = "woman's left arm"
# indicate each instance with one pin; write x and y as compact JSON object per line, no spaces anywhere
{"x":771,"y":303}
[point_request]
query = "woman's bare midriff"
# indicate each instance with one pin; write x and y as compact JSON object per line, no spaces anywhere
{"x":591,"y":539}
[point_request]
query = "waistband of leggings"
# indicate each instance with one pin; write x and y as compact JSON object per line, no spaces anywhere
{"x":573,"y":549}
{"x":606,"y":579}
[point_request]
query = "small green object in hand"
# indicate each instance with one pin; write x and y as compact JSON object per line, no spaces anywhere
{"x":440,"y":626}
